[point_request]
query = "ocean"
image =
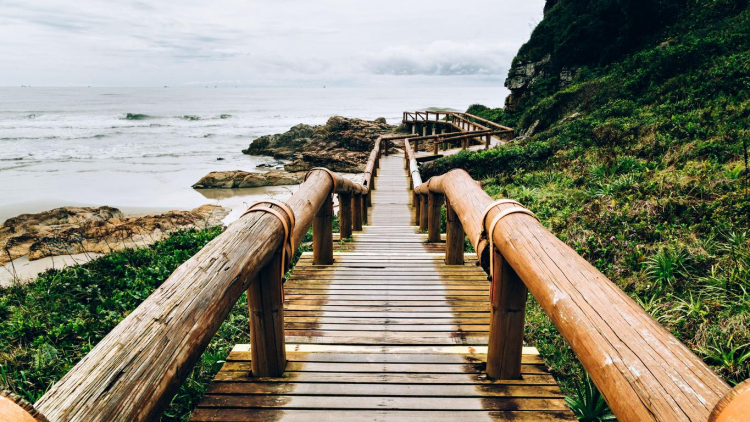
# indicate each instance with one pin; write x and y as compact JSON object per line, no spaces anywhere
{"x":140,"y":149}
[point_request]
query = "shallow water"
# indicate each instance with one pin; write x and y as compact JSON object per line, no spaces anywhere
{"x":75,"y":146}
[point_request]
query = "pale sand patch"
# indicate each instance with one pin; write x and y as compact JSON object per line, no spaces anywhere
{"x":23,"y":271}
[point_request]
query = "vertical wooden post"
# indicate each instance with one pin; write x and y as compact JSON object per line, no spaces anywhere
{"x":323,"y":233}
{"x":435,"y":201}
{"x":357,"y":213}
{"x":507,"y":317}
{"x":416,"y":202}
{"x":364,"y":208}
{"x":423,"y":207}
{"x":416,"y":146}
{"x":424,"y":129}
{"x":414,"y":129}
{"x":385,"y":147}
{"x":487,"y":141}
{"x":454,"y":237}
{"x":345,"y":215}
{"x":436,"y":146}
{"x":266,"y":308}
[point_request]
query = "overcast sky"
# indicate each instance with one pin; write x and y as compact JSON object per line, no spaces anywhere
{"x":261,"y":43}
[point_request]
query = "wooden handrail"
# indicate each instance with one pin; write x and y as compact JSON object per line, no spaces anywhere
{"x":643,"y":371}
{"x":134,"y":371}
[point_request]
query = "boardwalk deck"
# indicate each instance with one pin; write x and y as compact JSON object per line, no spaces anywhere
{"x":388,"y":332}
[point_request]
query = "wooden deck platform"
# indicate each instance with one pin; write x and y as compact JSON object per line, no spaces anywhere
{"x":388,"y":332}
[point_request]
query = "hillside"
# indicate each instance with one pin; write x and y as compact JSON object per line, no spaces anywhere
{"x":633,"y":119}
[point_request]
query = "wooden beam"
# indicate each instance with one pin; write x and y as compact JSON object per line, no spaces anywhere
{"x":423,"y":212}
{"x":345,"y":216}
{"x":323,"y":233}
{"x":435,"y":202}
{"x":266,"y":308}
{"x":357,"y":213}
{"x":507,"y":317}
{"x":454,"y":237}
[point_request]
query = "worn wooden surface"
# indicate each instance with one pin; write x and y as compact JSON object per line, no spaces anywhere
{"x":387,"y":332}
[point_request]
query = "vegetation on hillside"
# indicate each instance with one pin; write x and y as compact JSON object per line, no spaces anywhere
{"x":641,"y":165}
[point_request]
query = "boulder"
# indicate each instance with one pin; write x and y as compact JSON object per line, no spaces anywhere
{"x":342,"y":144}
{"x":242,"y":179}
{"x":73,"y":230}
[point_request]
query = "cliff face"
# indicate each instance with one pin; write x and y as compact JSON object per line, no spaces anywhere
{"x":577,"y":34}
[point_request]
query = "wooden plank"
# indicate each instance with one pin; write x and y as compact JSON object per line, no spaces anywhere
{"x":241,"y":415}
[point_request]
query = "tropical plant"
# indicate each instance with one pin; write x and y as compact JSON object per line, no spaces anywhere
{"x":588,"y":404}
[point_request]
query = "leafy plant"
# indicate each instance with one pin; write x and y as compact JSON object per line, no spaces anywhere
{"x":665,"y":267}
{"x":588,"y":404}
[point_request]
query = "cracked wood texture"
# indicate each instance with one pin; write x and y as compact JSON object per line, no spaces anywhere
{"x":388,"y":332}
{"x":132,"y":374}
{"x":643,"y":371}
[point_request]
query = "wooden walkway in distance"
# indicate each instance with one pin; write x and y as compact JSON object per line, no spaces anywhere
{"x":388,"y":332}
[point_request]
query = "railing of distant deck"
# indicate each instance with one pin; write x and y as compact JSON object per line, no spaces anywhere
{"x":133,"y":373}
{"x":439,"y":126}
{"x":643,"y":371}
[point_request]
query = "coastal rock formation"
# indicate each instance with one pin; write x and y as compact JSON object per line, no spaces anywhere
{"x":342,"y":144}
{"x":243,"y":179}
{"x":72,"y":230}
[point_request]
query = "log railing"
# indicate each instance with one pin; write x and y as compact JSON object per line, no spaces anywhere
{"x":435,"y":122}
{"x":643,"y":371}
{"x":133,"y":373}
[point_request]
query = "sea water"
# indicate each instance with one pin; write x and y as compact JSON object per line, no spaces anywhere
{"x":141,"y":149}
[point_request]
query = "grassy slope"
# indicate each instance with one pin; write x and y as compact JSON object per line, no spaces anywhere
{"x":641,"y":166}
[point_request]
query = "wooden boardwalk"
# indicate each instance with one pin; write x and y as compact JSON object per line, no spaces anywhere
{"x":388,"y":332}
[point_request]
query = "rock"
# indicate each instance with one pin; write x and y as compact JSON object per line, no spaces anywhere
{"x":219,"y":159}
{"x":381,"y":120}
{"x":342,"y":144}
{"x":73,"y":230}
{"x":242,"y":179}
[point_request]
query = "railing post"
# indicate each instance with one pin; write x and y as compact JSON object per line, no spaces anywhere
{"x":357,"y":212}
{"x":435,"y":201}
{"x":345,"y":215}
{"x":487,"y":141}
{"x":454,"y":236}
{"x":424,"y":129}
{"x":323,"y":233}
{"x":385,"y":147}
{"x":423,"y":207}
{"x":416,"y":146}
{"x":436,"y":146}
{"x":364,"y":208}
{"x":507,"y":317}
{"x":416,"y":202}
{"x":266,"y":309}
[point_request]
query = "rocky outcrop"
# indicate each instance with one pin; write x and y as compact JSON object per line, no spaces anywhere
{"x":342,"y":144}
{"x":243,"y":179}
{"x":523,"y":75}
{"x":73,"y":230}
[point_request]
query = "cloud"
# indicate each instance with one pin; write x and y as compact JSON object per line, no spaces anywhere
{"x":439,"y":58}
